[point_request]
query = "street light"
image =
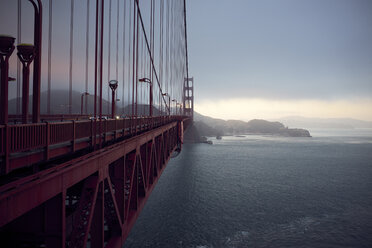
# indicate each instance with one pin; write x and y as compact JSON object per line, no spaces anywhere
{"x":146,"y":80}
{"x":26,"y":54}
{"x":175,"y":101}
{"x":82,"y":103}
{"x":113,"y":85}
{"x":166,"y":94}
{"x":6,"y":49}
{"x":178,"y":104}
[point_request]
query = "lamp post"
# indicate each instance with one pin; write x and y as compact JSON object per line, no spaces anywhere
{"x":166,"y":94}
{"x":26,"y":54}
{"x":178,"y":104}
{"x":175,"y":101}
{"x":113,"y":86}
{"x":146,"y":80}
{"x":6,"y":49}
{"x":82,"y":103}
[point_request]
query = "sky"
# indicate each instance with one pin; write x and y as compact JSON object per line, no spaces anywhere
{"x":250,"y":59}
{"x":275,"y":58}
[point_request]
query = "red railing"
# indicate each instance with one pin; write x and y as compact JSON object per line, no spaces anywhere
{"x":2,"y":138}
{"x":60,"y":132}
{"x":60,"y":117}
{"x":19,"y":140}
{"x":26,"y":137}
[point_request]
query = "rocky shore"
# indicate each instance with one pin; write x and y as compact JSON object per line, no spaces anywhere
{"x":211,"y":127}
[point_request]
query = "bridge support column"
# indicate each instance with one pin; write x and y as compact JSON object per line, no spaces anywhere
{"x":6,"y":50}
{"x":98,"y":195}
{"x":54,"y":221}
{"x":97,"y":232}
{"x":38,"y":8}
{"x":188,"y":97}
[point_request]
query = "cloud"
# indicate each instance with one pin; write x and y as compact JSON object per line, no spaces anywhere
{"x":251,"y":108}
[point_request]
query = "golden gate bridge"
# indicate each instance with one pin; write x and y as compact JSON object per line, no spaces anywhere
{"x":79,"y":175}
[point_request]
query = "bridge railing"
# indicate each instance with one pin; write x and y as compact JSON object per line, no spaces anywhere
{"x":25,"y":144}
{"x":2,"y":138}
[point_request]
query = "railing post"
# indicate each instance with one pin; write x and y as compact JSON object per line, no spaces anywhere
{"x":104,"y":131}
{"x":6,"y":49}
{"x":6,"y":145}
{"x":91,"y":133}
{"x":47,"y":141}
{"x":73,"y":135}
{"x":136,"y":125}
{"x":116,"y":121}
{"x":123,"y":133}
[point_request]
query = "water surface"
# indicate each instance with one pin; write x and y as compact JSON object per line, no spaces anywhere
{"x":264,"y":191}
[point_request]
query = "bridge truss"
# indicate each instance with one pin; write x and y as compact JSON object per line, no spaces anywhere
{"x":78,"y":176}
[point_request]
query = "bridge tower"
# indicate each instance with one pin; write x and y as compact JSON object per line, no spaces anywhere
{"x":188,"y":97}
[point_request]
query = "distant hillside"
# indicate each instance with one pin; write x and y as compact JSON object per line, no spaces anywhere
{"x":59,"y":104}
{"x":208,"y":126}
{"x":142,"y":109}
{"x":344,"y":123}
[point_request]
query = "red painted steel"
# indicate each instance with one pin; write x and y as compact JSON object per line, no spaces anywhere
{"x":26,"y":54}
{"x":80,"y":182}
{"x":23,"y":145}
{"x":90,"y":200}
{"x":55,"y":117}
{"x":38,"y":9}
{"x":6,"y":50}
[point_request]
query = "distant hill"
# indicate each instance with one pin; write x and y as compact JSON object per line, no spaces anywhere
{"x":142,"y":109}
{"x":208,"y":126}
{"x":59,"y":104}
{"x":343,"y":123}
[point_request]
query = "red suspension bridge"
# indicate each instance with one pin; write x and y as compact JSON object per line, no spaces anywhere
{"x":77,"y":171}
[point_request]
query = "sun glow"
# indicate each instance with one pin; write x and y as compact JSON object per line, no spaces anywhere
{"x":247,"y":109}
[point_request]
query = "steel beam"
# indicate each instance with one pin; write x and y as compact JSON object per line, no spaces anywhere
{"x":116,"y":181}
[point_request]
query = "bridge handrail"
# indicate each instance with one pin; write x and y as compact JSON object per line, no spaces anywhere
{"x":25,"y":138}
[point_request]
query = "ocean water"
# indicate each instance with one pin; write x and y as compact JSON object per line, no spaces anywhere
{"x":264,"y":191}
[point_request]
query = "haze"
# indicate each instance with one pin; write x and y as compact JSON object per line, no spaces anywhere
{"x":269,"y":59}
{"x":250,"y":58}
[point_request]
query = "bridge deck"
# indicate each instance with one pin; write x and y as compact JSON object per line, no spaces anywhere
{"x":23,"y":145}
{"x":94,"y":198}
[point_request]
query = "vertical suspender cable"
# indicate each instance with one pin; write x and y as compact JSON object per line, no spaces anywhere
{"x":148,"y":49}
{"x":129,"y":54}
{"x":123,"y":88}
{"x":137,"y":38}
{"x":123,"y":84}
{"x":133,"y":56}
{"x":87,"y":57}
{"x":71,"y":56}
{"x":161,"y":72}
{"x":152,"y":48}
{"x":95,"y":77}
{"x":50,"y":52}
{"x":187,"y":59}
{"x":98,"y":65}
{"x":143,"y":69}
{"x":117,"y":46}
{"x":19,"y":38}
{"x":153,"y":39}
{"x":101,"y":70}
{"x":117,"y":41}
{"x":109,"y":57}
{"x":171,"y":49}
{"x":167,"y":50}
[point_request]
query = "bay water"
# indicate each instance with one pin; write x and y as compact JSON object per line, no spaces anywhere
{"x":264,"y":191}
